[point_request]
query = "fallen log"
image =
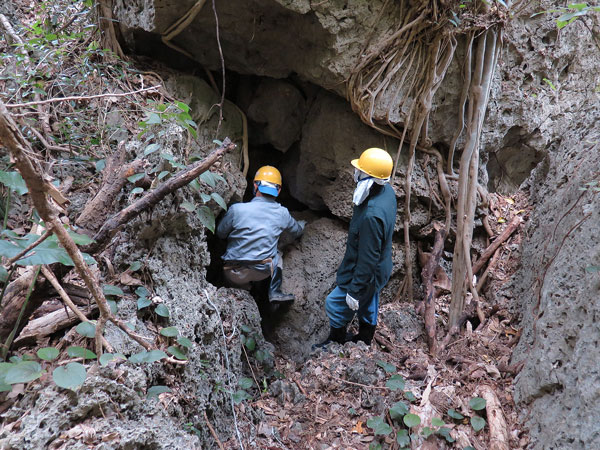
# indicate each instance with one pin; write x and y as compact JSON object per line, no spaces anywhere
{"x":51,"y":323}
{"x":497,"y":425}
{"x":510,"y":229}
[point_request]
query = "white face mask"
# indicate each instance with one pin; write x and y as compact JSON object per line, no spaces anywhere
{"x":363,"y":185}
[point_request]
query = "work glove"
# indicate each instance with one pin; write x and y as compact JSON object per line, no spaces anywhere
{"x":351,"y":302}
{"x":302,"y":223}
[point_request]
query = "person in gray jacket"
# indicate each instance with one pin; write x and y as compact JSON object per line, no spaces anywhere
{"x":252,"y":231}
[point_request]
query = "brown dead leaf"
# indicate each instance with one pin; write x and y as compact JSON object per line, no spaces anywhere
{"x":358,"y":428}
{"x":107,"y":437}
{"x":128,"y":280}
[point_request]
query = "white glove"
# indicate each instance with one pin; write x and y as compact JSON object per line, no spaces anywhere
{"x":351,"y":302}
{"x":302,"y":223}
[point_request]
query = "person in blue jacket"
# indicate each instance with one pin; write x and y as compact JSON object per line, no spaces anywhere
{"x":252,"y":231}
{"x":367,"y":263}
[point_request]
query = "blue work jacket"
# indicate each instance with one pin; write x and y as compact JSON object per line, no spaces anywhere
{"x":252,"y":229}
{"x":367,"y":263}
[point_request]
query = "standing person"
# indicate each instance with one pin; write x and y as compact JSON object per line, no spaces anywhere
{"x":367,"y":263}
{"x":252,"y":231}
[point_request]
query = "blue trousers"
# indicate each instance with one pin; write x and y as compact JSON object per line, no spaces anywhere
{"x":341,"y":315}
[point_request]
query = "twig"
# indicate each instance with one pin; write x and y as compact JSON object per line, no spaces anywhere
{"x":51,"y":147}
{"x":508,"y":231}
{"x":237,"y":430}
{"x":212,"y":431}
{"x":65,"y":298}
{"x":38,"y":241}
{"x":222,"y":69}
{"x":88,"y":97}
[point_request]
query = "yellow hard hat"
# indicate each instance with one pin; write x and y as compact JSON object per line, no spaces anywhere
{"x":375,"y":162}
{"x":271,"y":175}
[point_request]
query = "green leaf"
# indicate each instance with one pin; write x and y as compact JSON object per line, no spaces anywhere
{"x":437,"y":422}
{"x":245,"y":383}
{"x":105,"y":358}
{"x":206,"y":217}
{"x":163,"y":174}
{"x":48,"y":252}
{"x":23,"y":372}
{"x":549,"y":83}
{"x":205,"y":197}
{"x":135,"y":266}
{"x":169,"y":332}
{"x":142,"y":291}
{"x":389,"y":368}
{"x":153,"y":119}
{"x":379,"y":426}
{"x":426,"y":432}
{"x":188,"y":206}
{"x":137,"y":190}
{"x":478,"y":423}
{"x":48,"y":353}
{"x":592,"y":269}
{"x":147,"y":357}
{"x":455,"y":414}
{"x":154,"y":391}
{"x":411,"y":420}
{"x":182,"y":106}
{"x":80,"y":239}
{"x":109,"y":289}
{"x":151,"y":149}
{"x":395,"y":382}
{"x":445,"y":432}
{"x":162,"y":310}
{"x":399,"y":410}
{"x":184,"y":342}
{"x":143,"y":302}
{"x":9,"y":250}
{"x":136,"y":177}
{"x":70,"y":376}
{"x":167,"y":156}
{"x":245,"y":329}
{"x":100,"y":165}
{"x":217,"y":198}
{"x":240,"y":396}
{"x":250,"y":343}
{"x":112,"y":305}
{"x":5,"y":387}
{"x":410,"y":396}
{"x":477,"y":403}
{"x":80,"y":352}
{"x":86,"y":329}
{"x":209,"y":178}
{"x":14,"y":181}
{"x":176,"y":352}
{"x":402,"y":438}
{"x":3,"y":274}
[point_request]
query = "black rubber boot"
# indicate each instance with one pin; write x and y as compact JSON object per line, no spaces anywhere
{"x":275,"y":294}
{"x":366,"y":332}
{"x":335,"y":335}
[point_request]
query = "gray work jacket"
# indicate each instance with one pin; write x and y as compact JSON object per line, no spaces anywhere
{"x":252,"y":229}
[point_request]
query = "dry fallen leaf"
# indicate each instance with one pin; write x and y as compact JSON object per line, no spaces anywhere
{"x":358,"y":428}
{"x":128,"y":280}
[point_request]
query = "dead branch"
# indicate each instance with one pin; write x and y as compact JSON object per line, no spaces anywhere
{"x":183,"y":178}
{"x":508,"y":231}
{"x":212,"y":431}
{"x":497,"y":424}
{"x":85,"y":97}
{"x":114,"y":179}
{"x":427,"y":276}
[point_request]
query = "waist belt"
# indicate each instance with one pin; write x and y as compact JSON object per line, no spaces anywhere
{"x":233,"y":264}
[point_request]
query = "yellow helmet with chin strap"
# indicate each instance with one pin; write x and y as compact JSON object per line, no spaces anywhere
{"x":270,"y":175}
{"x":375,"y":162}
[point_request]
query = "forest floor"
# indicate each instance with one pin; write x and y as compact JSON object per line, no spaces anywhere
{"x":352,"y":396}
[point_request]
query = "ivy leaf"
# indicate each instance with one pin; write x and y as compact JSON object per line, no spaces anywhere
{"x":411,"y":420}
{"x":478,"y":423}
{"x":402,"y":438}
{"x":48,"y":353}
{"x":240,"y":396}
{"x":395,"y":382}
{"x":143,"y":302}
{"x":250,"y":343}
{"x":410,"y":396}
{"x":109,"y":289}
{"x":112,"y":305}
{"x":182,"y":106}
{"x":137,"y":190}
{"x":188,"y":206}
{"x":184,"y":342}
{"x":14,"y":181}
{"x":105,"y":358}
{"x":209,"y":178}
{"x":135,"y":266}
{"x":389,"y":368}
{"x":206,"y":217}
{"x":162,"y":310}
{"x":151,"y":149}
{"x":217,"y":198}
{"x":455,"y":414}
{"x":477,"y":403}
{"x":176,"y":352}
{"x":154,"y":391}
{"x":445,"y":432}
{"x":80,"y":352}
{"x":437,"y":422}
{"x":205,"y":197}
{"x":136,"y":177}
{"x":398,"y":410}
{"x":142,"y":291}
{"x":23,"y":372}
{"x":70,"y":376}
{"x":379,"y":426}
{"x":153,"y":119}
{"x":245,"y":383}
{"x":147,"y":357}
{"x":86,"y":329}
{"x":169,"y":332}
